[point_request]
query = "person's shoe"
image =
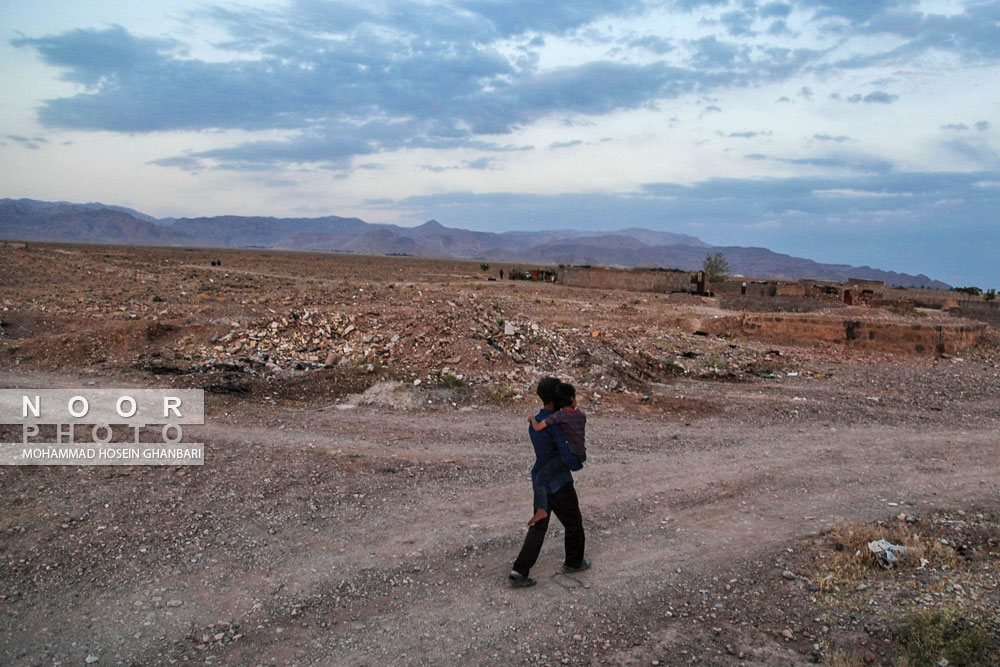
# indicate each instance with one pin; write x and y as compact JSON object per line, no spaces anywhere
{"x":585,"y":565}
{"x":518,"y":580}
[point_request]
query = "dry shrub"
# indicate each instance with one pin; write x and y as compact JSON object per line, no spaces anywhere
{"x":854,"y":561}
{"x":835,"y":658}
{"x":499,"y":392}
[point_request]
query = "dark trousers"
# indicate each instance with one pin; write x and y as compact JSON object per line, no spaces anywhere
{"x":565,"y":505}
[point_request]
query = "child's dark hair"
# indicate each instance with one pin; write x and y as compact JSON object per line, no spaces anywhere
{"x":547,"y":389}
{"x":564,"y":395}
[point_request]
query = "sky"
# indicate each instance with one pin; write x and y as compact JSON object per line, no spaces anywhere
{"x":860,"y":132}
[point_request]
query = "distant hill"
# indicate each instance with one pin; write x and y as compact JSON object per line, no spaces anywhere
{"x":25,"y":220}
{"x":30,"y":220}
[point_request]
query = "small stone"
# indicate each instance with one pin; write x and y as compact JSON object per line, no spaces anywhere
{"x":174,"y":603}
{"x":91,"y":659}
{"x":861,"y":587}
{"x":787,"y":634}
{"x":788,"y":574}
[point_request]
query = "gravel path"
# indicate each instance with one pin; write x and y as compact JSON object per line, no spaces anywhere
{"x":372,"y":536}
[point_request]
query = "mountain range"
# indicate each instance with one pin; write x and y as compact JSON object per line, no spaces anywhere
{"x":31,"y":220}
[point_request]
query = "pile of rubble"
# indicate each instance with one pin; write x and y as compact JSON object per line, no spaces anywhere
{"x":297,"y":340}
{"x":472,"y":341}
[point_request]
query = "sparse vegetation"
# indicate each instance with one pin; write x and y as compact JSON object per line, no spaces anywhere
{"x":972,"y":290}
{"x":930,"y":637}
{"x":500,"y":392}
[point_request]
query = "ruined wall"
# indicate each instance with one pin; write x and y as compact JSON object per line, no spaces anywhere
{"x":927,"y":298}
{"x":791,"y":289}
{"x":877,"y":336}
{"x":633,"y":280}
{"x":877,"y":287}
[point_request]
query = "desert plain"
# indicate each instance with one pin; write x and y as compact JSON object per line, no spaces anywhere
{"x":365,"y":485}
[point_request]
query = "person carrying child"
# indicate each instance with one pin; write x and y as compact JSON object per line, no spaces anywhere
{"x":552,"y":454}
{"x":573,"y":423}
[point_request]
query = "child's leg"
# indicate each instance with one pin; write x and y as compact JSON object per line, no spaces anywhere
{"x":541,"y":493}
{"x":540,"y":501}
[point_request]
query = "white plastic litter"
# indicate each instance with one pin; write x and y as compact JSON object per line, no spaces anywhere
{"x":886,"y":553}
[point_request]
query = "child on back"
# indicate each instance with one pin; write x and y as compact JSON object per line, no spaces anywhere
{"x":573,"y":423}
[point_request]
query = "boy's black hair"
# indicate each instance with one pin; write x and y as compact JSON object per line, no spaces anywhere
{"x":564,"y":395}
{"x":547,"y":389}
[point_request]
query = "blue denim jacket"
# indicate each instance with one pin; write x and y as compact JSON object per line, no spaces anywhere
{"x":549,"y":443}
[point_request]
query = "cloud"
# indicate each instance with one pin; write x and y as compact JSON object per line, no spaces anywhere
{"x":711,"y":54}
{"x":737,"y":22}
{"x":330,"y":150}
{"x":977,"y":154}
{"x":653,"y":43}
{"x":980,"y":126}
{"x":89,"y":57}
{"x":689,"y":5}
{"x":480,"y":163}
{"x":849,"y":162}
{"x":343,"y":79}
{"x":565,"y":144}
{"x":339,"y":79}
{"x":32,"y":143}
{"x":778,"y":28}
{"x":878,"y":97}
{"x":341,"y":97}
{"x":829,"y":137}
{"x":515,"y":17}
{"x":775,"y":10}
{"x":185,"y":162}
{"x":848,"y":192}
{"x":856,"y":11}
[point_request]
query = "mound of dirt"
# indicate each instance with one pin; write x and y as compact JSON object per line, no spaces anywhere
{"x":392,"y":394}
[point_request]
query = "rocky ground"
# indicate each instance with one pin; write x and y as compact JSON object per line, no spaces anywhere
{"x":365,"y":485}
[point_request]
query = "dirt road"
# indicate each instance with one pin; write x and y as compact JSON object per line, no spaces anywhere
{"x":378,"y":536}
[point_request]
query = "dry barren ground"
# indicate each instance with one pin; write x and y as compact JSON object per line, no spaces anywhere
{"x":382,"y":533}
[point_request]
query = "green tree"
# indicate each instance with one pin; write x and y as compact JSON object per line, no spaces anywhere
{"x":991,"y":294}
{"x":715,"y":267}
{"x":971,"y":290}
